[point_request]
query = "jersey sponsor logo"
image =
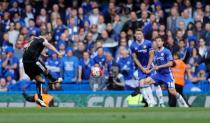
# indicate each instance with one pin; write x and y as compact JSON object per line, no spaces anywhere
{"x":142,"y":51}
{"x":160,"y":58}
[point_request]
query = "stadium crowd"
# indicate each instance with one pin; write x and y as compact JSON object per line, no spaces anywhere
{"x":90,"y":32}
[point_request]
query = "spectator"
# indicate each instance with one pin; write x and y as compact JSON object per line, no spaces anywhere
{"x":3,"y":85}
{"x":171,"y":45}
{"x":10,"y":63}
{"x":6,"y":20}
{"x":101,"y":24}
{"x":144,"y":20}
{"x":182,"y":26}
{"x":108,"y":43}
{"x":64,"y":40}
{"x":94,"y":16}
{"x":188,"y":7}
{"x":199,"y":32}
{"x":179,"y":36}
{"x":10,"y":79}
{"x":59,"y":29}
{"x":62,"y":48}
{"x":69,"y":66}
{"x":80,"y":50}
{"x":115,"y":80}
{"x":207,"y":34}
{"x":18,"y":19}
{"x":143,"y":7}
{"x":203,"y":49}
{"x":183,"y":51}
{"x":13,"y":34}
{"x":18,"y":51}
{"x":132,"y":24}
{"x":194,"y":62}
{"x":32,"y":29}
{"x":82,"y":18}
{"x":84,"y":67}
{"x":82,"y":34}
{"x":29,"y":14}
{"x":89,"y":42}
{"x":126,"y":68}
{"x":100,"y":58}
{"x":42,"y":18}
{"x":46,"y":5}
{"x":206,"y":18}
{"x":15,"y":8}
{"x":186,"y":17}
{"x":94,"y":31}
{"x":112,"y":34}
{"x":55,"y":15}
{"x":72,"y":27}
{"x":172,"y":20}
{"x":117,"y":24}
{"x":62,"y":9}
{"x":52,"y":63}
{"x":110,"y":61}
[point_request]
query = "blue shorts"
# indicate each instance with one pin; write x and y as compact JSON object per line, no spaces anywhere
{"x":142,"y":75}
{"x":165,"y":78}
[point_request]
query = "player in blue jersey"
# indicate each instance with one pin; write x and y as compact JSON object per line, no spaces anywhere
{"x":143,"y":54}
{"x":163,"y":63}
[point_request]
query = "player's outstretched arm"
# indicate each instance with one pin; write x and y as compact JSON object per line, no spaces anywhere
{"x":169,"y":64}
{"x":51,"y":47}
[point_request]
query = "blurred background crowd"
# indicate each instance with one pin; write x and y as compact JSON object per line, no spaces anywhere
{"x":89,"y":32}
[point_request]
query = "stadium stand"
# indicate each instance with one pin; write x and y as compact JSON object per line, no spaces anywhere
{"x":84,"y":26}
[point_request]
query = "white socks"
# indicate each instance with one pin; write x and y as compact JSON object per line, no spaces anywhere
{"x":159,"y":94}
{"x":147,"y":93}
{"x":181,"y":100}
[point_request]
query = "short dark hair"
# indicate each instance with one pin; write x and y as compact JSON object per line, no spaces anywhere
{"x":158,"y":38}
{"x":138,"y":29}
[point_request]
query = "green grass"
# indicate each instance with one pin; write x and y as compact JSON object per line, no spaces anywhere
{"x":105,"y":115}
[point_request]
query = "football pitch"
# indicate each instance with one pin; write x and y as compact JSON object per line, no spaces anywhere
{"x":105,"y":115}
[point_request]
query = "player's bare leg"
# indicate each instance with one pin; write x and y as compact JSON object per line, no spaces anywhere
{"x":39,"y":82}
{"x":179,"y":98}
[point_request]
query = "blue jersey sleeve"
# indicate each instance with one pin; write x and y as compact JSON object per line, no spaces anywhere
{"x":150,"y":46}
{"x":169,"y":56}
{"x":81,"y":62}
{"x":132,"y":48}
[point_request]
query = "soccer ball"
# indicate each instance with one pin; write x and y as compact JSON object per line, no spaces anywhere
{"x":96,"y":72}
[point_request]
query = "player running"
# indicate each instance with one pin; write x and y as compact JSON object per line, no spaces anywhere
{"x":163,"y":62}
{"x":33,"y":67}
{"x":143,"y":55}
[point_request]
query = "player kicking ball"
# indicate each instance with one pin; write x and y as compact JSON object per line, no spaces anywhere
{"x":33,"y":67}
{"x":163,"y":63}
